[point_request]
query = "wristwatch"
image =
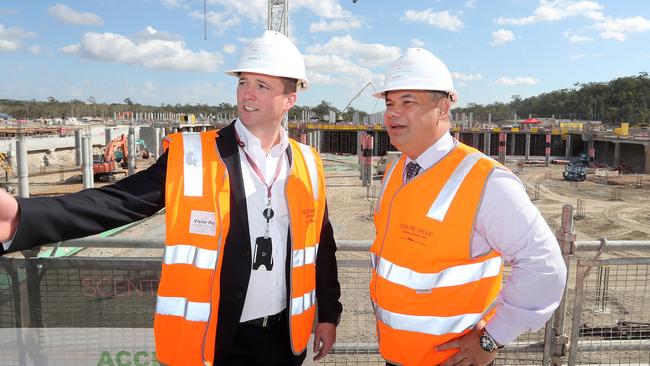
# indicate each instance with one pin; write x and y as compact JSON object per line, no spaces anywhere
{"x":488,"y":344}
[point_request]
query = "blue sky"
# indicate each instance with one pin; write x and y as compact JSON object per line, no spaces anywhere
{"x":154,"y":51}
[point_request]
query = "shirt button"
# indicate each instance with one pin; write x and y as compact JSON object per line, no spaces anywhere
{"x":239,"y":294}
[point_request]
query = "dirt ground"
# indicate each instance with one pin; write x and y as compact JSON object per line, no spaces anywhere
{"x":616,"y":207}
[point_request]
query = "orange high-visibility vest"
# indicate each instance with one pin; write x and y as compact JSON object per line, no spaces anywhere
{"x":197,"y":197}
{"x":426,"y":288}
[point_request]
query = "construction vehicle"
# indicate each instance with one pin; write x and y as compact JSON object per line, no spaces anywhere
{"x":576,"y":170}
{"x":4,"y":164}
{"x":145,"y":150}
{"x":105,"y":167}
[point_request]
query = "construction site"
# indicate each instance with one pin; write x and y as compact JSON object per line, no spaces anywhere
{"x":92,"y":301}
{"x":110,"y":280}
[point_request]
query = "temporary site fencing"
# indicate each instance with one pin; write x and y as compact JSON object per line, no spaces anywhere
{"x":99,"y":310}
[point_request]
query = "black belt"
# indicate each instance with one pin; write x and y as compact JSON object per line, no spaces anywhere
{"x":265,"y":321}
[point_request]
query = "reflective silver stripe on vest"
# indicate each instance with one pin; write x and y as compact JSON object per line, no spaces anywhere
{"x":440,"y":206}
{"x":302,"y":303}
{"x":310,"y":159}
{"x":305,"y":256}
{"x":452,"y":276}
{"x":433,"y":325}
{"x":179,"y":306}
{"x":189,"y":254}
{"x":192,"y":164}
{"x":387,"y":176}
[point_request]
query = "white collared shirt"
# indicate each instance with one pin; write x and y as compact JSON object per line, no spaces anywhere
{"x":509,"y":223}
{"x":267,"y":290}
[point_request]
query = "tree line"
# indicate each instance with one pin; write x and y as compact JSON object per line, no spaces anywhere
{"x":625,"y":99}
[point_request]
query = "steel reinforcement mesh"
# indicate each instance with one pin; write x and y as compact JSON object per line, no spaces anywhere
{"x":8,"y":301}
{"x":615,"y":316}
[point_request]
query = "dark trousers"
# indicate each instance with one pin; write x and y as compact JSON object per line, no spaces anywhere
{"x":263,"y":346}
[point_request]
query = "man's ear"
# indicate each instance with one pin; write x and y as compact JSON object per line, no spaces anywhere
{"x":291,"y":100}
{"x":445,"y":107}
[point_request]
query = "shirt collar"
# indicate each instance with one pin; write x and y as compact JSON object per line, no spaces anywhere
{"x":252,"y":143}
{"x":435,"y":152}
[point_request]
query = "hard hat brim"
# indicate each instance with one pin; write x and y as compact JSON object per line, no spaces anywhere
{"x":303,"y":83}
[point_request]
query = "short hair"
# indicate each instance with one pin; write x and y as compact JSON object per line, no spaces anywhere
{"x":438,"y":95}
{"x":290,"y":85}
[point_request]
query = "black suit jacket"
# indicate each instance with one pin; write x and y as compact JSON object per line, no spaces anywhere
{"x":52,"y":219}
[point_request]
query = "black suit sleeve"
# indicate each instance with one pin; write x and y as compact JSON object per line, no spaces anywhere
{"x":328,"y":289}
{"x":51,"y":219}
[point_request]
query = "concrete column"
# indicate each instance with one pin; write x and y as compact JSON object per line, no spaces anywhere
{"x":547,"y":150}
{"x":471,"y":119}
{"x":486,"y":143}
{"x":131,"y":148}
{"x":23,"y":168}
{"x":475,"y":140}
{"x":359,"y":157}
{"x":592,"y":149}
{"x":617,"y":153}
{"x":527,"y":150}
{"x":108,"y":135}
{"x":156,"y":143}
{"x":489,"y":118}
{"x":513,"y":144}
{"x":77,"y":146}
{"x":567,"y":146}
{"x":319,"y":140}
{"x":87,"y":161}
{"x":457,"y":135}
{"x":503,"y":137}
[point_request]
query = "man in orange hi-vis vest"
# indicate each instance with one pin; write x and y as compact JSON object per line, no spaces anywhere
{"x":446,"y":218}
{"x":249,"y":260}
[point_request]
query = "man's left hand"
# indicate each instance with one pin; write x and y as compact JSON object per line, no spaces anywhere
{"x":469,"y":349}
{"x":324,"y":338}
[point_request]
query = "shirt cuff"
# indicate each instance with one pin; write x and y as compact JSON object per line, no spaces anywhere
{"x":7,"y":244}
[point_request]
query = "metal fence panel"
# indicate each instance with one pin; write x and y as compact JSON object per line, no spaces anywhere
{"x":612,"y":312}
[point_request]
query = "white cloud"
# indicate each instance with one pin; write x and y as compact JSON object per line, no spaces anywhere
{"x":150,"y":33}
{"x":11,"y":38}
{"x":554,"y":10}
{"x":470,"y":3}
{"x":501,"y":37}
{"x":153,"y":54}
{"x":336,"y":70}
{"x":335,"y":25}
{"x":441,"y":19}
{"x":466,"y":77}
{"x":71,"y":49}
{"x":519,"y":80}
{"x":219,"y":21}
{"x":619,"y":28}
{"x":171,"y":4}
{"x":330,"y":9}
{"x":577,"y":57}
{"x":8,"y":46}
{"x":71,"y":16}
{"x":366,"y":54}
{"x":417,"y":42}
{"x":254,"y":10}
{"x":229,"y":48}
{"x":576,"y":37}
{"x":35,"y":50}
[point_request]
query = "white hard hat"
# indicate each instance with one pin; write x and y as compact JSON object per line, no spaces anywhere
{"x":418,"y":69}
{"x":272,"y":54}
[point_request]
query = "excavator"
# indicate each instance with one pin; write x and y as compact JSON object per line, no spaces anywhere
{"x":105,"y":168}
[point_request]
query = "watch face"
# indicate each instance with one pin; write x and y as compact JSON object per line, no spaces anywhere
{"x":487,"y":343}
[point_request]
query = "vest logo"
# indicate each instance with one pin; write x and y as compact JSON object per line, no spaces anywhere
{"x":203,"y":223}
{"x":309,"y":215}
{"x":415,"y":234}
{"x":126,"y":358}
